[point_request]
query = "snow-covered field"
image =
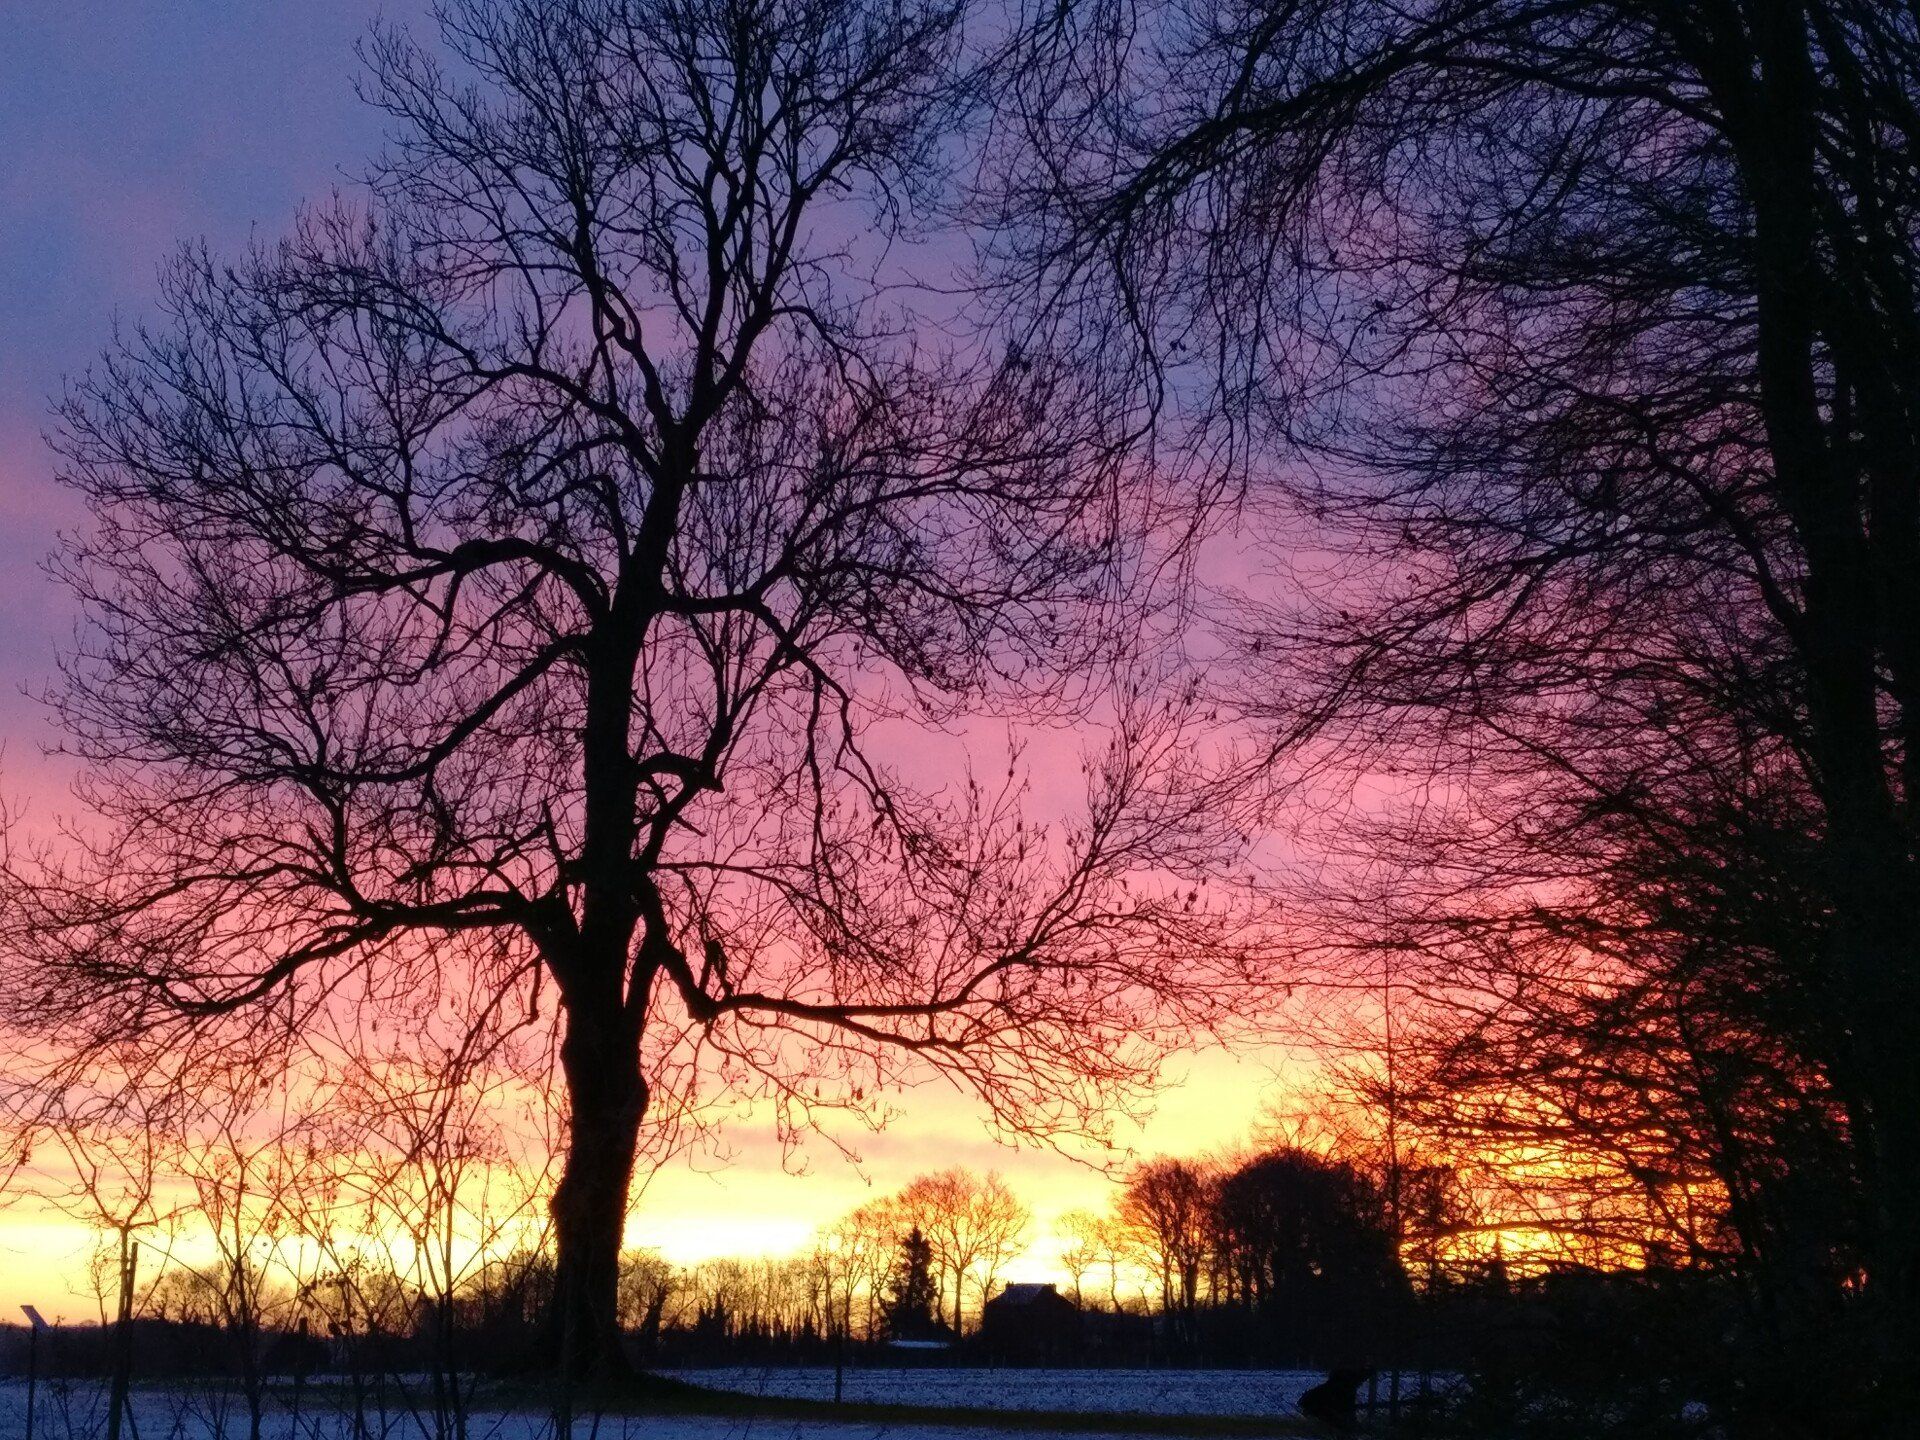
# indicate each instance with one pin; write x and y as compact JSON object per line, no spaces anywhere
{"x":1117,"y":1392}
{"x":76,"y":1411}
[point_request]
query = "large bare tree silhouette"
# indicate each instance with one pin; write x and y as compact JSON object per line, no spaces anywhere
{"x":521,"y":577}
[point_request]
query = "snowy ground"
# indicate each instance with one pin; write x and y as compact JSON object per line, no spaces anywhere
{"x":75,"y":1411}
{"x":1100,"y":1392}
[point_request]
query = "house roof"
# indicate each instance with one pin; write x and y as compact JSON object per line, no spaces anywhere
{"x":1027,"y":1295}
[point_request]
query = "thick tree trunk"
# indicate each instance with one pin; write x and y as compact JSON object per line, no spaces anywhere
{"x":1872,"y":874}
{"x":608,"y":1099}
{"x":1876,"y":959}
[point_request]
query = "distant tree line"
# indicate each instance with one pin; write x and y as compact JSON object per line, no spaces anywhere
{"x":1309,"y":1248}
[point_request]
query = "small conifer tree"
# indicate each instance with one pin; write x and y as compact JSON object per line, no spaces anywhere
{"x":909,"y":1302}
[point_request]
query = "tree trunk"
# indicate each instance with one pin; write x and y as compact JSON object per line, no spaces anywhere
{"x":1876,"y":959}
{"x":1869,"y":856}
{"x":608,"y":1099}
{"x":118,"y":1403}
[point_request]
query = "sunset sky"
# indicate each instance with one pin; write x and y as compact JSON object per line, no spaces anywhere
{"x":131,"y":126}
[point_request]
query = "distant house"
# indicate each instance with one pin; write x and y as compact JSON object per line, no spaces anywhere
{"x":916,"y":1352}
{"x":1031,"y":1323}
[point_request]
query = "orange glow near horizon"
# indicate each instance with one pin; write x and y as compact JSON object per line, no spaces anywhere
{"x":750,"y":1203}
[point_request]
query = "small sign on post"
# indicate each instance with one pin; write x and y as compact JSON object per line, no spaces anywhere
{"x":35,"y":1326}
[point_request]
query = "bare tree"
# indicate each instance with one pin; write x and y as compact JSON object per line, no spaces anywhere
{"x":1165,"y":1210}
{"x":974,"y":1224}
{"x":1113,"y":1252}
{"x":107,"y":1169}
{"x":1003,"y":1221}
{"x":1080,"y":1234}
{"x":868,"y":1242}
{"x":446,"y":1189}
{"x":235,"y":1151}
{"x":647,"y":1283}
{"x":938,"y":1207}
{"x":518,"y":581}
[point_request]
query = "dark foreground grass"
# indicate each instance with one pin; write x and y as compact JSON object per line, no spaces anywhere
{"x":663,"y":1395}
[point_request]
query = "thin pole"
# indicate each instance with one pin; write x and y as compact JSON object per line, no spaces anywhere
{"x":839,"y":1342}
{"x":33,"y":1372}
